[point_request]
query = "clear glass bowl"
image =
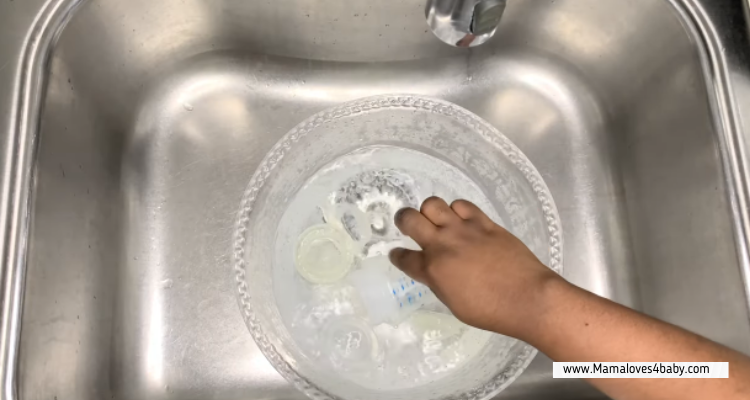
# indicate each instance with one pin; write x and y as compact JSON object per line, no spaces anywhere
{"x":435,"y":127}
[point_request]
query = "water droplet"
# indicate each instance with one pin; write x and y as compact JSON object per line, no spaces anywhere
{"x":188,"y":106}
{"x":167,"y":283}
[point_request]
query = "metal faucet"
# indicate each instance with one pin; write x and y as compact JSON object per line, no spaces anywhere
{"x":464,"y":23}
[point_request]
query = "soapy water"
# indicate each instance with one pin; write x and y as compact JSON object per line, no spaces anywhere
{"x":349,"y":205}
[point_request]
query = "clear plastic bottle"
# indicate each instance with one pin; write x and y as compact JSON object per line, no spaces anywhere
{"x":388,"y":294}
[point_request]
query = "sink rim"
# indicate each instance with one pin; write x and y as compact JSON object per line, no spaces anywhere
{"x":30,"y":77}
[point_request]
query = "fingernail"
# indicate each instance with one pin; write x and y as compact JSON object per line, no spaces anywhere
{"x":394,"y":254}
{"x":398,"y":214}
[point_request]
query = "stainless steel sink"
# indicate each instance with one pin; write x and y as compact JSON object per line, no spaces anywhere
{"x":150,"y":117}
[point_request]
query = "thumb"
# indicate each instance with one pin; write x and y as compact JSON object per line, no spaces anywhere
{"x":411,"y":262}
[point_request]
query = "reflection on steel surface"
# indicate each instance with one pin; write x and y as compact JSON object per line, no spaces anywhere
{"x":150,"y":116}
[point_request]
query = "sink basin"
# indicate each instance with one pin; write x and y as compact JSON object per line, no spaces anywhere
{"x":156,"y":114}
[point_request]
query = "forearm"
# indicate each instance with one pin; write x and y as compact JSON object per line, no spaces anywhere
{"x":578,"y":326}
{"x":491,"y":280}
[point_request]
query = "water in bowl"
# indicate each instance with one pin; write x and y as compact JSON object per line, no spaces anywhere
{"x":349,"y":206}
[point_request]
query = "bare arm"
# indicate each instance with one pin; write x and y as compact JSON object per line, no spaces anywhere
{"x":490,"y":280}
{"x":580,"y":326}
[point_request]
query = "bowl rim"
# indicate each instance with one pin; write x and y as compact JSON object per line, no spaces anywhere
{"x":359,"y":106}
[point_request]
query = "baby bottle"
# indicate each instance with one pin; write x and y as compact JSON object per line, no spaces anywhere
{"x":388,"y":294}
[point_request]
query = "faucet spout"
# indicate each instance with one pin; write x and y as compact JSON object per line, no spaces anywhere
{"x":464,"y":23}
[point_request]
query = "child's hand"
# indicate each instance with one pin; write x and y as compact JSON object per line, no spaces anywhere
{"x":489,"y":279}
{"x":485,"y":275}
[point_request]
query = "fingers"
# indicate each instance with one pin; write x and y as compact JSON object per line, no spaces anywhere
{"x":465,"y":209}
{"x":438,"y":212}
{"x":411,"y":262}
{"x":415,"y":225}
{"x":470,"y":212}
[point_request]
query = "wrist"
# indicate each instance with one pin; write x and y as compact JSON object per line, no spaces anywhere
{"x":547,"y":300}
